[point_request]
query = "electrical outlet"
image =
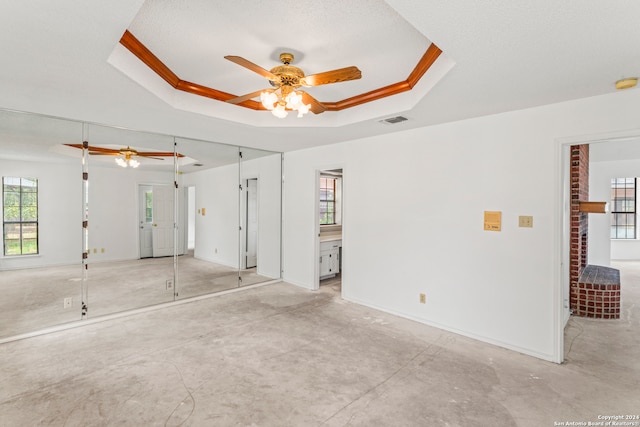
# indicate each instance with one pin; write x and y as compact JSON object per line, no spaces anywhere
{"x":169,"y":284}
{"x":216,"y":250}
{"x":423,"y":299}
{"x":68,"y":303}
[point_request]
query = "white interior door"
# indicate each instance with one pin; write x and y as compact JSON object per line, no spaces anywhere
{"x":191,"y":218}
{"x":145,"y":195}
{"x":252,"y":224}
{"x":163,"y":220}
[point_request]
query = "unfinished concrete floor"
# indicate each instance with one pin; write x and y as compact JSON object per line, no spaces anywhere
{"x":32,"y":298}
{"x":278,"y":355}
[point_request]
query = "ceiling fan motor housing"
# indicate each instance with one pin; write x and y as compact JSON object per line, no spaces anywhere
{"x":288,"y":75}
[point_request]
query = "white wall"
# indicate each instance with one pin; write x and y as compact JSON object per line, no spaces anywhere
{"x":59,"y":215}
{"x":413,"y":219}
{"x":217,"y":231}
{"x":601,"y":248}
{"x":113,"y":210}
{"x":268,"y":172}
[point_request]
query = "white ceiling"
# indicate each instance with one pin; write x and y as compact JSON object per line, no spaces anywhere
{"x":508,"y":55}
{"x":382,"y":44}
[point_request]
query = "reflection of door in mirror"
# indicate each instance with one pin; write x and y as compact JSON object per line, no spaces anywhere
{"x":191,"y":218}
{"x":145,"y":194}
{"x":156,"y":220}
{"x":251,"y":218}
{"x":162,"y":221}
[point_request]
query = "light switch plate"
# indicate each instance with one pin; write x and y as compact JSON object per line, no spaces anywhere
{"x":525,"y":221}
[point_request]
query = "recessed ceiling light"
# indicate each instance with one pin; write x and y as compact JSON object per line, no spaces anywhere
{"x":627,"y":83}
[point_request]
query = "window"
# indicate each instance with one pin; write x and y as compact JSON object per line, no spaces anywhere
{"x":20,"y":215}
{"x":623,"y":208}
{"x":327,"y":200}
{"x":148,"y":206}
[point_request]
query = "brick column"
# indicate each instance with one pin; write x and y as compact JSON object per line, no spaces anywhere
{"x":579,"y":220}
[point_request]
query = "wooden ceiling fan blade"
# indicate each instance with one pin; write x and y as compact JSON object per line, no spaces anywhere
{"x":251,"y":66}
{"x":316,"y":106}
{"x":240,"y":99}
{"x":158,"y":154}
{"x":98,"y":151}
{"x":334,"y":76}
{"x":95,"y":150}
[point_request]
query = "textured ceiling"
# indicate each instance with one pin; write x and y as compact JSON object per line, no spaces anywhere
{"x":193,"y":40}
{"x":508,"y":55}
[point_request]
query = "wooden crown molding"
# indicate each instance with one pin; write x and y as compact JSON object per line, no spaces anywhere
{"x":131,"y":43}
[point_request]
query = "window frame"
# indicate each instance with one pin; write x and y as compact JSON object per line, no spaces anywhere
{"x":333,"y":201}
{"x":633,"y":213}
{"x":21,"y":222}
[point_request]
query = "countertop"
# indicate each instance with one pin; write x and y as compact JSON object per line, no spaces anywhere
{"x":330,"y":237}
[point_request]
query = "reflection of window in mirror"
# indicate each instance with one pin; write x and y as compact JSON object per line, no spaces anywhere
{"x":148,"y":207}
{"x":330,"y":200}
{"x":20,"y":215}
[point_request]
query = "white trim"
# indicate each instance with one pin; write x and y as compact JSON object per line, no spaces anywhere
{"x":316,"y":231}
{"x":482,"y":338}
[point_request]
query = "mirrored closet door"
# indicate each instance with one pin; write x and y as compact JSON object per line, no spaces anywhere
{"x":100,"y":220}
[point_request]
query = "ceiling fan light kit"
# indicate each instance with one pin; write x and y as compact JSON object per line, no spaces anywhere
{"x":278,"y":105}
{"x":127,"y":162}
{"x":287,"y":79}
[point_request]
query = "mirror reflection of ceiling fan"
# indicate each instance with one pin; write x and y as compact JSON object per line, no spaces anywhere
{"x":125,"y":157}
{"x":286,"y":81}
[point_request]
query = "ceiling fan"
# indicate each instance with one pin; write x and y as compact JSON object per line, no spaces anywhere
{"x":286,"y":79}
{"x":125,"y":156}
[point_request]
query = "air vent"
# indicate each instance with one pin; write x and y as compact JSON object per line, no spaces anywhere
{"x":198,"y":164}
{"x":393,"y":120}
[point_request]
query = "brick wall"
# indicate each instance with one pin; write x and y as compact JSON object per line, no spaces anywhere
{"x":598,"y":293}
{"x":594,"y":290}
{"x":579,"y":220}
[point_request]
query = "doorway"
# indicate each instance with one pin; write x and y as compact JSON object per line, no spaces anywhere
{"x":156,"y":220}
{"x":145,"y":214}
{"x":251,"y":224}
{"x":191,"y":218}
{"x":609,"y":152}
{"x":329,"y":223}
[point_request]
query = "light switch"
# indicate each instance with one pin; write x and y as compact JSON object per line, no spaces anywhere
{"x":525,"y":221}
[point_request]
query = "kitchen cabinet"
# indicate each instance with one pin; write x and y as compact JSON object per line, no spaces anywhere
{"x":330,"y":258}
